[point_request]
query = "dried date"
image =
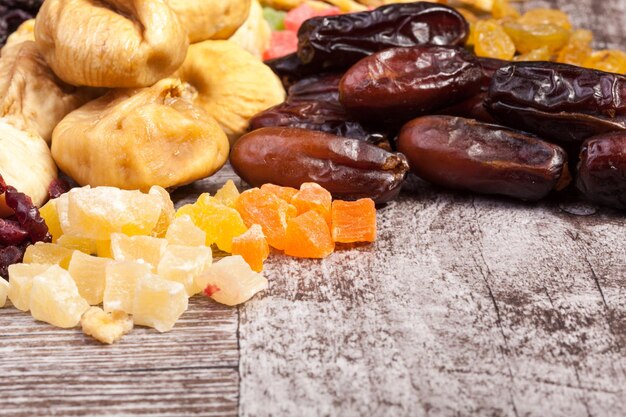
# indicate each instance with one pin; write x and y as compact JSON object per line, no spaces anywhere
{"x":337,"y":42}
{"x":348,"y":168}
{"x":400,"y":83}
{"x":467,"y":155}
{"x":558,"y":101}
{"x":602,"y":169}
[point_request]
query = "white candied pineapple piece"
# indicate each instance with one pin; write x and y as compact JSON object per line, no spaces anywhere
{"x":146,"y":249}
{"x":4,"y":290}
{"x":89,"y":273}
{"x":54,"y":298}
{"x":183,"y":231}
{"x":231,"y":281}
{"x":184,"y":263}
{"x":20,"y":282}
{"x":120,"y":283}
{"x":159,"y":303}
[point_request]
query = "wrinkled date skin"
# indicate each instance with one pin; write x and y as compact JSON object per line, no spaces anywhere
{"x":468,"y":155}
{"x":290,"y":69}
{"x":313,"y":103}
{"x":557,"y":101}
{"x":401,"y":83}
{"x":340,"y":41}
{"x":602,"y":169}
{"x":348,"y":168}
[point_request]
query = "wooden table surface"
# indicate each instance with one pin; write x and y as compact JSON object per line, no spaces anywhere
{"x":466,"y":306}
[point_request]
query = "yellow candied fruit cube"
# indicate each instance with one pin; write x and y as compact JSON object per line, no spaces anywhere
{"x":89,"y":273}
{"x":220,"y":223}
{"x":54,"y":298}
{"x":82,"y":244}
{"x":138,"y":248}
{"x":167,"y":210}
{"x":4,"y":290}
{"x":231,"y":281}
{"x":120,"y":282}
{"x":103,"y":249}
{"x":184,"y":263}
{"x":183,"y":231}
{"x":159,"y":303}
{"x":228,"y":194}
{"x":106,"y":327}
{"x":49,"y":213}
{"x":98,"y":212}
{"x":48,"y":253}
{"x":21,"y":281}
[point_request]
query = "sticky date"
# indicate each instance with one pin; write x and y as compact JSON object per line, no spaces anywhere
{"x":602,"y":169}
{"x":468,"y":155}
{"x":557,"y":101}
{"x":340,"y":41}
{"x":401,"y":83}
{"x":348,"y":168}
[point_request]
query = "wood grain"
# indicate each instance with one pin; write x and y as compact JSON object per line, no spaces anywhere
{"x":466,"y":306}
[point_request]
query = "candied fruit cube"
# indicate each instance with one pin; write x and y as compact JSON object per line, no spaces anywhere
{"x":184,"y":263}
{"x":103,"y":249}
{"x":89,"y":273}
{"x":220,"y":223}
{"x":313,"y":196}
{"x":146,"y":249}
{"x":48,"y":253}
{"x":270,"y":212}
{"x":21,"y":281}
{"x":54,"y":298}
{"x":49,"y":213}
{"x":183,"y":231}
{"x":4,"y":291}
{"x":253,"y":247}
{"x":354,"y":221}
{"x":120,"y":282}
{"x":106,"y":327}
{"x":284,"y":193}
{"x":167,"y":210}
{"x":159,"y":303}
{"x":82,"y":244}
{"x":98,"y":212}
{"x":228,"y":194}
{"x":308,"y":236}
{"x":231,"y":281}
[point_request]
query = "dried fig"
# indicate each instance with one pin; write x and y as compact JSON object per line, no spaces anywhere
{"x":111,"y":43}
{"x":136,"y":138}
{"x":31,"y":94}
{"x":232,"y":84}
{"x":25,"y":32}
{"x":255,"y":33}
{"x":210,"y":19}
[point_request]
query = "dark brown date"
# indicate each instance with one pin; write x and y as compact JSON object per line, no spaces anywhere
{"x":401,"y":83}
{"x":348,"y":168}
{"x":468,"y":155}
{"x":313,"y":103}
{"x":602,"y":169}
{"x":337,"y":42}
{"x":290,"y":69}
{"x":557,"y":101}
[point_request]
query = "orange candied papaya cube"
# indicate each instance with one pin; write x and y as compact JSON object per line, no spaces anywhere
{"x":354,"y":221}
{"x":284,"y":193}
{"x":308,"y":236}
{"x":313,"y":196}
{"x":253,"y":247}
{"x":261,"y":207}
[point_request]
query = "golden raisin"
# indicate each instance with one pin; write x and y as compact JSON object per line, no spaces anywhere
{"x":491,"y":41}
{"x":578,"y":48}
{"x":502,"y":9}
{"x":530,"y":37}
{"x":609,"y":60}
{"x":539,"y":54}
{"x":546,"y":17}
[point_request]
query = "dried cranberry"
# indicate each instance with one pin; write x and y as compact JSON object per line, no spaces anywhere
{"x":9,"y":256}
{"x":58,"y":187}
{"x":11,"y":233}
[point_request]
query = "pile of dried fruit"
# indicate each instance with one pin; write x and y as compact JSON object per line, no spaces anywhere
{"x":141,"y":260}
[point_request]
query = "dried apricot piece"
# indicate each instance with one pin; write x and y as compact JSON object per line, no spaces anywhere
{"x":491,"y":41}
{"x":284,"y":193}
{"x":228,"y":194}
{"x":609,"y":60}
{"x":253,"y":247}
{"x":354,"y":221}
{"x":527,"y":37}
{"x":313,"y":196}
{"x":261,"y":207}
{"x":546,"y":17}
{"x":308,"y":236}
{"x":578,"y":48}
